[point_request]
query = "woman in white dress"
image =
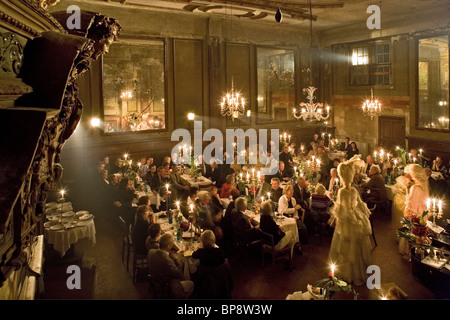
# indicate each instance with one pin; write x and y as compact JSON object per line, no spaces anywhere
{"x":350,"y":248}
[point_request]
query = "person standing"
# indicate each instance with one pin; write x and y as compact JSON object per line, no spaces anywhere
{"x":350,"y":247}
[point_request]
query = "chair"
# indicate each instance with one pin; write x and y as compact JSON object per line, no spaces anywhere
{"x":214,"y":282}
{"x":139,"y":261}
{"x":157,"y":288}
{"x":127,"y":243}
{"x":268,"y":246}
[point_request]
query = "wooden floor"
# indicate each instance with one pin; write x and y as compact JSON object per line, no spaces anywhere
{"x":104,"y":276}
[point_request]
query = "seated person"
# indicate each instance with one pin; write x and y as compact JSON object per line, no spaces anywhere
{"x":154,"y":234}
{"x":375,"y":185}
{"x":229,"y":188}
{"x":346,"y":146}
{"x":263,"y":189}
{"x":243,"y":229}
{"x":301,"y":193}
{"x":275,"y":192}
{"x":164,"y":265}
{"x":207,"y":218}
{"x":140,"y":229}
{"x":417,"y":158}
{"x":216,"y":174}
{"x":333,"y":180}
{"x":216,"y":202}
{"x":439,"y":167}
{"x":178,"y":185}
{"x":288,"y":206}
{"x":438,"y":188}
{"x":282,"y":174}
{"x":193,"y":194}
{"x":145,"y":201}
{"x":353,"y":151}
{"x":123,"y":199}
{"x":281,"y":238}
{"x":319,"y":206}
{"x":209,"y":254}
{"x":369,"y":163}
{"x":286,"y":157}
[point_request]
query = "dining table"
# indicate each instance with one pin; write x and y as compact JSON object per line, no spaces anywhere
{"x":64,"y":227}
{"x":286,"y":223}
{"x":154,"y":199}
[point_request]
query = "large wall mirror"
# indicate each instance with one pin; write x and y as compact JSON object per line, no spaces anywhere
{"x":433,"y":77}
{"x":276,"y":84}
{"x":134,"y":86}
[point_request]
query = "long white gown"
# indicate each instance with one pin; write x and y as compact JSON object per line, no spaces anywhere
{"x":351,"y":248}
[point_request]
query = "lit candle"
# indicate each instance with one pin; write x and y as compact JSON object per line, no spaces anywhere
{"x":62,"y":194}
{"x":125,"y":156}
{"x":240,"y":175}
{"x":268,"y":195}
{"x":178,"y":205}
{"x":253,"y":172}
{"x":191,"y":206}
{"x":248,"y":176}
{"x":428,"y":204}
{"x":332,"y":270}
{"x":259,"y":175}
{"x":395,"y":162}
{"x":167,"y":187}
{"x":375,"y":154}
{"x":420,"y":150}
{"x":434,"y":204}
{"x":440,"y":206}
{"x":301,"y":148}
{"x":262,"y":199}
{"x":414,"y":160}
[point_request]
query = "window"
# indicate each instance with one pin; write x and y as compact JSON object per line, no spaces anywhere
{"x":370,"y":65}
{"x":133,"y":86}
{"x":432,"y":83}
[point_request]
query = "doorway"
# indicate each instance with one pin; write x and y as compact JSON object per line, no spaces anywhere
{"x":391,"y":132}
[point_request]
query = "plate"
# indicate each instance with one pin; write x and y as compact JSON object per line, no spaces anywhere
{"x":53,"y":218}
{"x":68,"y":214}
{"x":82,"y":223}
{"x":66,"y":220}
{"x":80,"y":213}
{"x":71,"y":225}
{"x":85,"y":217}
{"x":51,"y":205}
{"x":57,"y":227}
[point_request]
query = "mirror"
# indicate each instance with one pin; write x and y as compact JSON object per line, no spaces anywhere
{"x":433,"y":93}
{"x":133,"y":86}
{"x":276,"y":84}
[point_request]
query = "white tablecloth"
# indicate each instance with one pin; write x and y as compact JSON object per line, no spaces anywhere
{"x":336,"y":154}
{"x":201,"y":183}
{"x":156,"y":200}
{"x":287,"y":224}
{"x":63,"y":239}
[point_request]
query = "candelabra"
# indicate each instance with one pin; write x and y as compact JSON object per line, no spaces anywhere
{"x":313,"y":165}
{"x":371,"y":107}
{"x":433,"y":210}
{"x":232,"y":104}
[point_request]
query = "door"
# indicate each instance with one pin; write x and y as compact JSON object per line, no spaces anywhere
{"x":391,"y":132}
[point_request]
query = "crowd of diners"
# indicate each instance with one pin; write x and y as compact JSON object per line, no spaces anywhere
{"x":226,"y":226}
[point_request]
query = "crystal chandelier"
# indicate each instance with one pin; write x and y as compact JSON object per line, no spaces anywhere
{"x":311,"y":111}
{"x":233,"y":104}
{"x":371,"y":107}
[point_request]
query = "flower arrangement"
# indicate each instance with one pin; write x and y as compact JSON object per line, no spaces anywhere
{"x":415,"y":229}
{"x":326,"y":288}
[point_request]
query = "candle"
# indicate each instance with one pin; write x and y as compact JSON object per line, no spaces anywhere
{"x":125,"y":156}
{"x":191,"y":206}
{"x":62,"y":194}
{"x":440,"y":206}
{"x":167,"y":187}
{"x":259,"y":175}
{"x":262,"y":199}
{"x":253,"y":172}
{"x":240,"y":175}
{"x":428,"y":204}
{"x":434,"y":204}
{"x":301,"y":148}
{"x":248,"y":176}
{"x":420,"y":150}
{"x":332,"y":270}
{"x":268,"y":195}
{"x":178,"y":205}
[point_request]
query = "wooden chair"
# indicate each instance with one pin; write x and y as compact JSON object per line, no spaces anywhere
{"x":127,"y":243}
{"x":139,"y":260}
{"x":268,"y":246}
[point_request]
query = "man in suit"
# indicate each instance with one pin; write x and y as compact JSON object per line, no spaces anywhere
{"x":158,"y":186}
{"x":178,"y":186}
{"x":275,"y":192}
{"x":375,"y":185}
{"x":369,"y":163}
{"x":243,"y":229}
{"x":286,"y":157}
{"x":346,"y":146}
{"x":282,"y":174}
{"x":216,"y":174}
{"x":333,"y":180}
{"x":165,"y":265}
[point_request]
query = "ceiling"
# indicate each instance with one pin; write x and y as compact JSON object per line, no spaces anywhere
{"x":326,"y":14}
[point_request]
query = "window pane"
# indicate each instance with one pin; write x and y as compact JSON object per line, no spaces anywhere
{"x":133,"y":87}
{"x":433,"y":111}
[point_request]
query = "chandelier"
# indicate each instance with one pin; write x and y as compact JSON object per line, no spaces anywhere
{"x":371,"y":107}
{"x":233,"y":104}
{"x":311,"y":111}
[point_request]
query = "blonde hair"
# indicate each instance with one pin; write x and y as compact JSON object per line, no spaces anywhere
{"x":347,"y":170}
{"x":320,"y":189}
{"x":203,"y":196}
{"x":418,"y":174}
{"x":208,"y":239}
{"x":288,"y":188}
{"x":241,"y":204}
{"x":266,"y":208}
